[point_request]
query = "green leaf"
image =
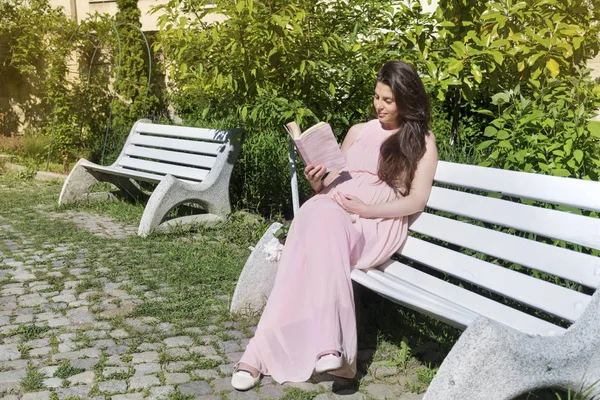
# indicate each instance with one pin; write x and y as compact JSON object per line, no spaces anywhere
{"x":502,"y":135}
{"x":505,"y":144}
{"x":485,"y":145}
{"x":553,"y":67}
{"x":490,"y":131}
{"x":476,"y":71}
{"x":578,"y":155}
{"x":325,"y":48}
{"x":561,"y":172}
{"x":500,"y":98}
{"x":331,"y":89}
{"x":459,"y":48}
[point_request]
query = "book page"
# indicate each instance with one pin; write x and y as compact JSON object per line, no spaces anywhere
{"x":321,"y":148}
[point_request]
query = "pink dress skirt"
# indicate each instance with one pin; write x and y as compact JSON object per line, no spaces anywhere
{"x":311,"y":307}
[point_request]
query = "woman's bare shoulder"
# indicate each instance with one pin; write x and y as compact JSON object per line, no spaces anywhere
{"x":356,"y":129}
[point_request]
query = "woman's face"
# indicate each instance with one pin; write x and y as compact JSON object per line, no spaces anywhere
{"x":385,"y":106}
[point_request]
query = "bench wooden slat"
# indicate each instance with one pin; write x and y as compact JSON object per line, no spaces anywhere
{"x":573,"y":192}
{"x":555,"y":224}
{"x":470,"y":300}
{"x":196,"y":174}
{"x":583,"y":268}
{"x":127,"y":173}
{"x":182,"y":132}
{"x":553,"y":299}
{"x":409,"y":295}
{"x":195,"y":160}
{"x":206,"y":148}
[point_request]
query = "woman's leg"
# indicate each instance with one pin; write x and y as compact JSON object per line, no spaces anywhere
{"x":311,"y":307}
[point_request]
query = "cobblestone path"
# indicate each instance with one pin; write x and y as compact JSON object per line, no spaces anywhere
{"x":68,"y":332}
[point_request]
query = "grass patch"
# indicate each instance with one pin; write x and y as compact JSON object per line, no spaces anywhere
{"x":177,"y":395}
{"x":66,"y":370}
{"x":33,"y":379}
{"x":30,"y":332}
{"x":292,"y":393}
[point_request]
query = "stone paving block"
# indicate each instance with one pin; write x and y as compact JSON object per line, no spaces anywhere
{"x":226,"y":369}
{"x":177,"y":377}
{"x":380,"y":391}
{"x":178,"y":352}
{"x":38,"y":343}
{"x":52,"y":383}
{"x":81,"y":391}
{"x":40,"y":352}
{"x":84,"y":377}
{"x":119,"y":334}
{"x":53,"y":323}
{"x":129,"y":396}
{"x":102,"y":343}
{"x":222,"y":384}
{"x":112,"y":350}
{"x":204,"y":350}
{"x":30,"y":300}
{"x":108,"y":371}
{"x":179,"y":341}
{"x":196,"y":388}
{"x":12,"y":376}
{"x":234,"y":357}
{"x":73,"y":355}
{"x":143,"y":381}
{"x":149,"y":346}
{"x":44,"y":395}
{"x":274,"y":392}
{"x":113,"y":386}
{"x":23,"y":319}
{"x":249,"y":395}
{"x":229,"y":346}
{"x":205,"y":373}
{"x":9,"y":352}
{"x":177,"y":366}
{"x":85,"y":363}
{"x":161,"y":392}
{"x":148,"y":356}
{"x":147,"y":368}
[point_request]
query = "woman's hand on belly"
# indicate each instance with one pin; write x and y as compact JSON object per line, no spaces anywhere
{"x":352,"y":204}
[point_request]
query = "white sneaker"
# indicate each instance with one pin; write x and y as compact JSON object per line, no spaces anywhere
{"x":243,"y":380}
{"x":329,"y":362}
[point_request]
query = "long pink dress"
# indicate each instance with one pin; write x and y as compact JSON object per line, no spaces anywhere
{"x":311,"y":307}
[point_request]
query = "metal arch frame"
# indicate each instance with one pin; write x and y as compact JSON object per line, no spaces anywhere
{"x":118,"y":76}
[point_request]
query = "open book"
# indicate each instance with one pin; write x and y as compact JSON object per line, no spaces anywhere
{"x":317,"y":145}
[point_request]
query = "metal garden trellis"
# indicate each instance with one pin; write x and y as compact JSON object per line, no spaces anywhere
{"x":97,"y":46}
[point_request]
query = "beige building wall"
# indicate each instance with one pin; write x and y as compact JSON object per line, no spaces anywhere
{"x":81,"y":9}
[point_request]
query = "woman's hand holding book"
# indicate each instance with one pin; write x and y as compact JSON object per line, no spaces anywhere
{"x":315,"y":174}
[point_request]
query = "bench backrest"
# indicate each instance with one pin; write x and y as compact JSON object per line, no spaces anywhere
{"x":184,"y":152}
{"x":539,"y":256}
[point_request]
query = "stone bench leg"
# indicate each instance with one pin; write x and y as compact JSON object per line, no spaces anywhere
{"x":81,"y":179}
{"x":494,"y":362}
{"x":77,"y":184}
{"x":172,"y":192}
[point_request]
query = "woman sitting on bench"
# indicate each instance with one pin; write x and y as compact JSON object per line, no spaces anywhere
{"x":357,"y":219}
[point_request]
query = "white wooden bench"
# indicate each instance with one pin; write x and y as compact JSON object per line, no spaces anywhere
{"x":419,"y":280}
{"x":439,"y":239}
{"x":189,"y":165}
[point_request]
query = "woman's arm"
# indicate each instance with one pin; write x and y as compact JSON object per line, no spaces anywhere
{"x":413,"y":203}
{"x":315,"y":173}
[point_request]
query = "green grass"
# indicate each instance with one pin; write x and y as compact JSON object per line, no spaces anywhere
{"x":66,"y":370}
{"x":193,"y":272}
{"x":33,"y":379}
{"x":30,"y":332}
{"x":292,"y":393}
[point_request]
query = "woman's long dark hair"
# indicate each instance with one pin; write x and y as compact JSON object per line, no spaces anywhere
{"x":401,"y":152}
